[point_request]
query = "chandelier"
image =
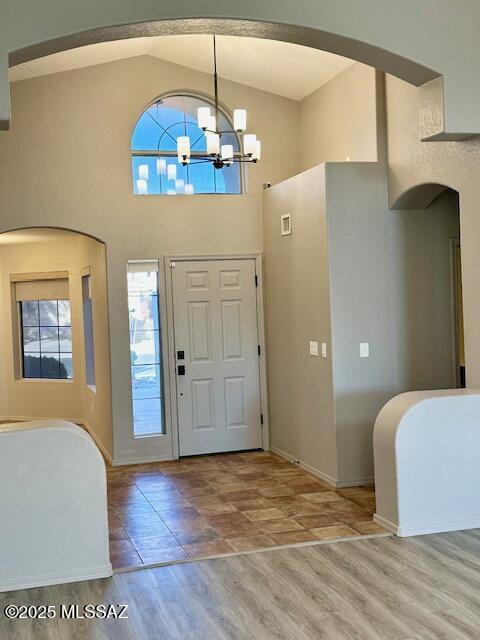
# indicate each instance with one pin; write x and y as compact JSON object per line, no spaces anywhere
{"x":220,"y":155}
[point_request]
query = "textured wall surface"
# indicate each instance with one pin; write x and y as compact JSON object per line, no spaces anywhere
{"x":338,"y":122}
{"x":454,"y":164}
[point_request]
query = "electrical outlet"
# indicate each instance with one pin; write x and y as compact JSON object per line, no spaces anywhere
{"x":313,"y":348}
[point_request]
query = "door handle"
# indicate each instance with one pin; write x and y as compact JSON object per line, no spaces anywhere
{"x":181,"y":370}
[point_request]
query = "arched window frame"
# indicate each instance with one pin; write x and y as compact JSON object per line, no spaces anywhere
{"x":209,"y":101}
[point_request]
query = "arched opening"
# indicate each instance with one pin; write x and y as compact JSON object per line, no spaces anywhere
{"x":147,"y":237}
{"x":432,"y":292}
{"x":54,"y":319}
{"x":155,"y":169}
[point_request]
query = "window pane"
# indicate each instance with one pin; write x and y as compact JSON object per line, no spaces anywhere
{"x":48,"y":313}
{"x":31,"y":366}
{"x":49,"y":339}
{"x":147,"y":417}
{"x":143,"y":312}
{"x":145,"y":382}
{"x":65,"y":336}
{"x":30,"y":314}
{"x":158,"y":129}
{"x":142,"y":282}
{"x":50,"y":366}
{"x":144,"y":347}
{"x":66,"y":365}
{"x":43,"y":343}
{"x":64,"y":316}
{"x":31,"y":339}
{"x":145,"y":352}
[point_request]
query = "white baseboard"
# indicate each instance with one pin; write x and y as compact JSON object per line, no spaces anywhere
{"x":14,"y":584}
{"x":386,"y":524}
{"x":316,"y":472}
{"x":337,"y":484}
{"x":120,"y":462}
{"x":427,"y":528}
{"x":80,"y":421}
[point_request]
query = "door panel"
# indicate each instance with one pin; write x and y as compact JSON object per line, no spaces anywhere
{"x":215,"y":324}
{"x":231,"y":329}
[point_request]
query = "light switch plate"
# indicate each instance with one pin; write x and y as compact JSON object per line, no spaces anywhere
{"x":324,"y":349}
{"x":313,"y":348}
{"x":364,"y":350}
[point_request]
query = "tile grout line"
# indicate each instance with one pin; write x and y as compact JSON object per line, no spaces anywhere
{"x":280,"y":547}
{"x":217,"y":466}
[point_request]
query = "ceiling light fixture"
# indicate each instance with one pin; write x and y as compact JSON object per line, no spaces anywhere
{"x":220,"y":155}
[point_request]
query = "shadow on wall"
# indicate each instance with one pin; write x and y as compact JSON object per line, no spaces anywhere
{"x":429,"y":301}
{"x":54,"y":329}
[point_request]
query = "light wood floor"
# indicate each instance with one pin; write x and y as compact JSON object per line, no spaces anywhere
{"x":425,"y":588}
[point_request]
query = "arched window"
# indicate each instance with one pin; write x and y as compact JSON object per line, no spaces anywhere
{"x":155,"y":165}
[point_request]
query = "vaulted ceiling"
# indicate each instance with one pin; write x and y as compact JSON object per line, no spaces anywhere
{"x":289,"y":70}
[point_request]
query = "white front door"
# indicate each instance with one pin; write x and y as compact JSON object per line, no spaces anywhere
{"x":217,"y":358}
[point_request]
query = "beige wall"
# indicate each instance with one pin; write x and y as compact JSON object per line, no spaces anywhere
{"x":66,"y":162}
{"x":297,"y":299}
{"x":69,"y":399}
{"x":97,"y":402}
{"x":338,"y":122}
{"x":382,"y":277}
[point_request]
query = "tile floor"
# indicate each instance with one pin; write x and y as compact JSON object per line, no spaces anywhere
{"x":210,"y":505}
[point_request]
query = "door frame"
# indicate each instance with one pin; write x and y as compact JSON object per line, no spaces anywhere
{"x":455,"y":244}
{"x":170,"y":359}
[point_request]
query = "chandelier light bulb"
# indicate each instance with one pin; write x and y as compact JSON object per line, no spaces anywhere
{"x":143,"y":171}
{"x":183,"y":146}
{"x":227,"y":152}
{"x":213,"y":143}
{"x":142,"y":187}
{"x":216,"y":130}
{"x":212,"y":124}
{"x":203,"y":117}
{"x":240,"y":119}
{"x":249,"y":144}
{"x":161,"y":166}
{"x":258,"y":151}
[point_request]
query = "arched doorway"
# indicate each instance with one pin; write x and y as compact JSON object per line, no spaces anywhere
{"x":433,"y":283}
{"x":54,"y":337}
